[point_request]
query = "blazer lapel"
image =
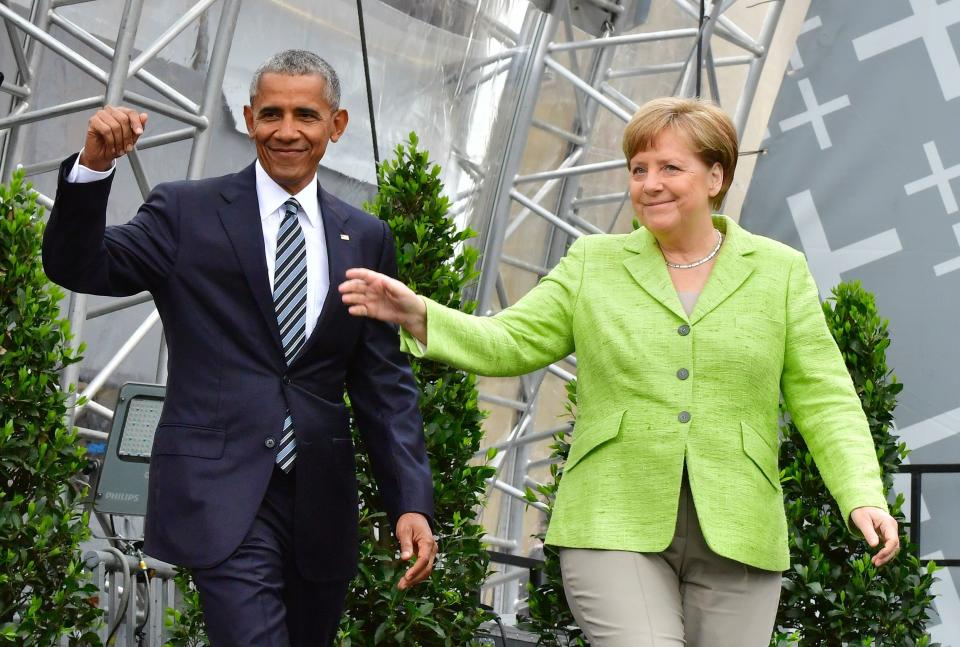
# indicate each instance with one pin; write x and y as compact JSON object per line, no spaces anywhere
{"x":240,"y":217}
{"x":731,"y":269}
{"x":341,"y":256}
{"x":647,"y":268}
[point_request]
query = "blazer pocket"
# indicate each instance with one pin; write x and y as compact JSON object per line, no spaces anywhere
{"x":760,"y":327}
{"x":764,"y":453}
{"x":189,"y":440}
{"x":592,"y":435}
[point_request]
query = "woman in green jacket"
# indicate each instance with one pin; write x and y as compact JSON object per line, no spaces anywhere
{"x":670,"y":514}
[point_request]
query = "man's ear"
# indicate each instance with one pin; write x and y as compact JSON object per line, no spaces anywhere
{"x":248,"y":117}
{"x":340,"y":119}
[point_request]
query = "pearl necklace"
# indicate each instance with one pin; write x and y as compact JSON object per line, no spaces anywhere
{"x":687,"y":266}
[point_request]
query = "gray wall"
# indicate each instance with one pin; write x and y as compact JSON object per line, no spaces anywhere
{"x":866,"y":114}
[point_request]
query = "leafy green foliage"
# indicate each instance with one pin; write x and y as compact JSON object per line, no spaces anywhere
{"x":44,"y":592}
{"x":433,"y":261}
{"x":832,"y":594}
{"x":185,"y":622}
{"x":550,"y":615}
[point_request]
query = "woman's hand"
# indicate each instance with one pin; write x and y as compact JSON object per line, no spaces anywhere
{"x":875,"y":525}
{"x":371,"y":294}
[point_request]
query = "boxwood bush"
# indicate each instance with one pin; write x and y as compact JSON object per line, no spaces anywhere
{"x":44,"y":593}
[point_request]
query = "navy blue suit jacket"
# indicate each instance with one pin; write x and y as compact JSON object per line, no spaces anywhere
{"x":198,"y":248}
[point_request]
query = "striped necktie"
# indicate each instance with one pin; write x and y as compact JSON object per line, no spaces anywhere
{"x":290,"y":303}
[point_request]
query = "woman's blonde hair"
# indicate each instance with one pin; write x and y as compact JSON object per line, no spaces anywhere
{"x":706,"y":127}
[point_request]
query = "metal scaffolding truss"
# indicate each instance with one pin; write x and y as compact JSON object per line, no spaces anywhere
{"x":29,"y":39}
{"x":573,"y":80}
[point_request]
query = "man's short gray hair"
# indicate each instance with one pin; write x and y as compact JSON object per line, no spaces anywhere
{"x":300,"y":62}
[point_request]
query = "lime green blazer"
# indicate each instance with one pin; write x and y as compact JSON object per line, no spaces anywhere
{"x":658,"y":389}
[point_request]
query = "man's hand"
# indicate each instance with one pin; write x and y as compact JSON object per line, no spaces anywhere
{"x":871,"y":521}
{"x":415,"y":537}
{"x":111,"y":133}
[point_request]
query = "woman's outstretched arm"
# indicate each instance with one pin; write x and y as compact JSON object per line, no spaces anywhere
{"x":371,"y":294}
{"x":530,"y":334}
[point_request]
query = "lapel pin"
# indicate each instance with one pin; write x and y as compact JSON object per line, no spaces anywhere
{"x":344,"y":237}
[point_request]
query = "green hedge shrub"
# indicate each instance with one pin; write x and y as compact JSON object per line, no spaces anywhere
{"x":433,"y":261}
{"x":832,"y":594}
{"x":44,"y":592}
{"x":550,"y":615}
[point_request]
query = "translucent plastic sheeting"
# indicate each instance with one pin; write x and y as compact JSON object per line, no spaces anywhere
{"x":423,"y":59}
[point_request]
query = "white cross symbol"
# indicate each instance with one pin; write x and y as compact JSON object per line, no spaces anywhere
{"x":828,"y":264}
{"x":815,"y":113}
{"x":940,"y":178}
{"x":796,"y":62}
{"x":954,"y":263}
{"x":930,"y":21}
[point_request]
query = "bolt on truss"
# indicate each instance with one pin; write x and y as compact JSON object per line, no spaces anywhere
{"x":559,"y":161}
{"x":123,"y":70}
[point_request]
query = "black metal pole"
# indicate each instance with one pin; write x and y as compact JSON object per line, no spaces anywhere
{"x":916,"y":492}
{"x":703,"y":13}
{"x":366,"y":74}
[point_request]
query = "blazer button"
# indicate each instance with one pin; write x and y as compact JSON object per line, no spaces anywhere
{"x":683,"y":374}
{"x":269,"y":443}
{"x":684,"y":330}
{"x":684,"y":416}
{"x":286,"y":379}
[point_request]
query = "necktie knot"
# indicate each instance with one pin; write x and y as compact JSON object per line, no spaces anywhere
{"x":290,"y":208}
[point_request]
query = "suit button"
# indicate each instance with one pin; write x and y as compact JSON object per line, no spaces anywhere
{"x":286,"y":379}
{"x":684,"y":330}
{"x":683,"y":374}
{"x":269,"y":443}
{"x":684,"y":416}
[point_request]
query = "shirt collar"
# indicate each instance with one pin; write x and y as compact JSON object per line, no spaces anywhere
{"x":271,"y":197}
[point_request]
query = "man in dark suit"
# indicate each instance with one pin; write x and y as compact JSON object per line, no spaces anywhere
{"x":252,"y":475}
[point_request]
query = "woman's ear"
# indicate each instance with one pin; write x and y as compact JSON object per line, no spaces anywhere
{"x":715,"y":179}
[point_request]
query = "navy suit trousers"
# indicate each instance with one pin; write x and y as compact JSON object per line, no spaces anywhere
{"x":257,"y":597}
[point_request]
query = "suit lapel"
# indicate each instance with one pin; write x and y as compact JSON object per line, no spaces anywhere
{"x":341,"y":256}
{"x":647,"y":268}
{"x":731,"y":269}
{"x":240,"y":217}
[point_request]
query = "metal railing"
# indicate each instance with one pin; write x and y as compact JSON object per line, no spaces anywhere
{"x":135,"y":593}
{"x":917,"y":472}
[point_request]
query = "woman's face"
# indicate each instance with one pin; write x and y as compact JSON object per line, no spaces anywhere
{"x":670,"y":186}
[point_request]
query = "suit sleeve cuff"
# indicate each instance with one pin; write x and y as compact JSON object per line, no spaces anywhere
{"x":80,"y":174}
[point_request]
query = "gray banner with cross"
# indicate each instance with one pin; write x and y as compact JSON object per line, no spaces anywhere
{"x":862,"y":172}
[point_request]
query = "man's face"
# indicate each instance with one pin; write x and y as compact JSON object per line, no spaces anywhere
{"x":291,"y":123}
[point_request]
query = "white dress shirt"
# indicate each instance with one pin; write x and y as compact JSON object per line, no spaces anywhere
{"x":271,"y":197}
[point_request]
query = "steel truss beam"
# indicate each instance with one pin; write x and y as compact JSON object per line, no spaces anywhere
{"x":28,"y":39}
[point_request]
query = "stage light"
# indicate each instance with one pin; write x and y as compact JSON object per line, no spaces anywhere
{"x":122,"y":485}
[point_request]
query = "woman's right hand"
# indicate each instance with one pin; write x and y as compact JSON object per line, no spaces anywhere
{"x":370,"y":294}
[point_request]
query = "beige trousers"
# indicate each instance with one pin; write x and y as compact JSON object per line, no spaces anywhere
{"x":685,"y":596}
